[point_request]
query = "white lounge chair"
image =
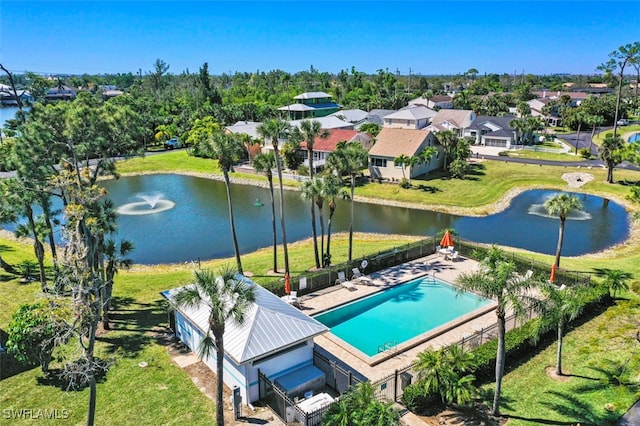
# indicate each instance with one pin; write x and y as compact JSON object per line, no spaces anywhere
{"x":342,"y":280}
{"x":454,"y":256}
{"x":359,"y":277}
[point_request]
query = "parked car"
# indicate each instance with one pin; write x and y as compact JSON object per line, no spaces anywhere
{"x":173,"y":143}
{"x":623,"y":122}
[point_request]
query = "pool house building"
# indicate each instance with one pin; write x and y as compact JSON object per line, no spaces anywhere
{"x":275,"y":339}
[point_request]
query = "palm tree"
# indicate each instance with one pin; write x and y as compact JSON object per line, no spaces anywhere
{"x":594,"y":121}
{"x":401,"y":161}
{"x":612,"y":152}
{"x":275,"y":129}
{"x":311,"y":129}
{"x":227,"y":297}
{"x":413,"y":161}
{"x":559,"y":307}
{"x":265,"y":163}
{"x":561,"y":205}
{"x":359,"y":406}
{"x":116,"y":258}
{"x":614,"y":279}
{"x":311,"y":190}
{"x":448,"y":139}
{"x":331,"y":189}
{"x":227,"y":149}
{"x":443,"y":371}
{"x":427,"y":155}
{"x":349,"y":158}
{"x":497,"y":280}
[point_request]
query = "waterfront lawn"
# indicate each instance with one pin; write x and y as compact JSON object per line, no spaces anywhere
{"x":160,"y":393}
{"x":546,"y":156}
{"x":601,"y":364}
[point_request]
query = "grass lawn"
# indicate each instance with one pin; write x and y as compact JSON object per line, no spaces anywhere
{"x":541,"y":155}
{"x":135,"y":395}
{"x":595,"y":355}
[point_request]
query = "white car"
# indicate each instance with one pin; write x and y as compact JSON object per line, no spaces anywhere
{"x":622,"y":122}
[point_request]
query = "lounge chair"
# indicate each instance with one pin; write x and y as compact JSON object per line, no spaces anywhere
{"x":342,"y":280}
{"x":359,"y":277}
{"x":454,"y":256}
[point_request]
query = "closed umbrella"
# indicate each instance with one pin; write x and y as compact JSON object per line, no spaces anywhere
{"x":553,"y":273}
{"x":446,"y":241}
{"x":287,"y":284}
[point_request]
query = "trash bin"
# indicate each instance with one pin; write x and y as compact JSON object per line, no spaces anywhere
{"x":405,"y":380}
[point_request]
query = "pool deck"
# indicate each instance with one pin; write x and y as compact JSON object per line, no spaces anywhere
{"x":386,"y":363}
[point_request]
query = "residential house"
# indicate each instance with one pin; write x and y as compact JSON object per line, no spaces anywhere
{"x":310,"y":105}
{"x":375,"y":116}
{"x":411,"y":117}
{"x":435,"y":102}
{"x":61,"y":93}
{"x":452,"y":119}
{"x":351,"y":115}
{"x":394,"y":142}
{"x":329,"y":122}
{"x":493,"y":131}
{"x":323,"y":146}
{"x":7,"y":97}
{"x":275,"y":338}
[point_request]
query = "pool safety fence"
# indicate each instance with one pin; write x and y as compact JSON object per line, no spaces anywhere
{"x":325,"y":279}
{"x":285,"y":408}
{"x":337,"y":377}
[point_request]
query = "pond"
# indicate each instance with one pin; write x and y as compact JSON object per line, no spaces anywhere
{"x":190,"y":220}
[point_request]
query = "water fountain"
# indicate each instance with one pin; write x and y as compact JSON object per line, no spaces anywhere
{"x":152,"y":203}
{"x":540,"y":210}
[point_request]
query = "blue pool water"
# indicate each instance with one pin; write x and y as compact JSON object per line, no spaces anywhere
{"x":634,"y":138}
{"x":399,"y":313}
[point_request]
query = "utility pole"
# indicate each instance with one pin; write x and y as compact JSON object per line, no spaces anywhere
{"x":409,"y":85}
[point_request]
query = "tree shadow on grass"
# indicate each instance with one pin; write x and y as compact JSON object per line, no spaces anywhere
{"x":56,"y":377}
{"x":9,"y":366}
{"x":134,"y":326}
{"x":571,"y":405}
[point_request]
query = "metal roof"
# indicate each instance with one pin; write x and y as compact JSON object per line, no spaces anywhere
{"x":412,"y":113}
{"x":270,"y":325}
{"x":312,"y":95}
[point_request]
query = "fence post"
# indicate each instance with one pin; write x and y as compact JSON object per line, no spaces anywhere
{"x":395,"y":386}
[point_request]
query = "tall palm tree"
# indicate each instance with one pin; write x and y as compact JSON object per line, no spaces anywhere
{"x":227,"y":149}
{"x":612,"y":152}
{"x":265,"y":162}
{"x":274,"y":130}
{"x":561,"y":205}
{"x":559,"y":307}
{"x":311,"y":190}
{"x":497,"y":280}
{"x":311,"y":129}
{"x":594,"y":121}
{"x":116,"y":256}
{"x":448,"y":139}
{"x":331,"y":190}
{"x":349,"y":158}
{"x":227,"y":297}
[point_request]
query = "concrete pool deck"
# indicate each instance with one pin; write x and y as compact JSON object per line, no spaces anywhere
{"x":374,"y":368}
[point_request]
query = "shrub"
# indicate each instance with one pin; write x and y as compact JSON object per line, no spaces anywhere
{"x":585,"y":153}
{"x":503,"y":153}
{"x":419,"y":401}
{"x":404,"y":183}
{"x":303,"y":170}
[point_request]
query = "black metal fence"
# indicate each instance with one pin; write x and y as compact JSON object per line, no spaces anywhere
{"x":337,"y":377}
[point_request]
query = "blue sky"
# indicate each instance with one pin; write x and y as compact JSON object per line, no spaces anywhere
{"x":439,"y":37}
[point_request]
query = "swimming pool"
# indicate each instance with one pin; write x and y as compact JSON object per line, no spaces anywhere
{"x":634,"y":138}
{"x":399,"y":314}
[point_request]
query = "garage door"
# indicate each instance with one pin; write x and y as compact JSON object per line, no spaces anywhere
{"x":502,"y":143}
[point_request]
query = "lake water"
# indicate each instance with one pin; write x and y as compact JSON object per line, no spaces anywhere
{"x":7,"y":113}
{"x":198,"y":225}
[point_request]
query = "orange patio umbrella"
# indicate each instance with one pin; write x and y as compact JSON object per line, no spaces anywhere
{"x":287,"y":284}
{"x":553,"y":273}
{"x":446,"y":241}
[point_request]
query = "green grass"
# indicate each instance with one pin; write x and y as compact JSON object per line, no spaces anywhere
{"x":541,"y":155}
{"x":134,"y":395}
{"x":160,"y":393}
{"x":594,"y":354}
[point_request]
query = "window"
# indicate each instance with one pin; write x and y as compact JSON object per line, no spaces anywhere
{"x":379,"y":162}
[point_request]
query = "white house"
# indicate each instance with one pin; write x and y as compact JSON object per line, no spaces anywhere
{"x":275,"y":338}
{"x":452,"y":119}
{"x":434,"y":102}
{"x":493,"y":131}
{"x":411,"y":117}
{"x":392,"y":143}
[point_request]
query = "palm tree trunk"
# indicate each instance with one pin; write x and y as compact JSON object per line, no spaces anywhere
{"x":219,"y":381}
{"x":609,"y":174}
{"x":232,"y":222}
{"x":314,"y":232}
{"x":593,"y":134}
{"x":500,"y":355}
{"x":559,"y":353}
{"x":619,"y":94}
{"x":328,"y":256}
{"x":353,"y":190}
{"x":282,"y":220}
{"x":310,"y":155}
{"x":93,"y":328}
{"x":560,"y":238}
{"x":578,"y":136}
{"x":321,"y":228}
{"x":273,"y":224}
{"x":7,"y":267}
